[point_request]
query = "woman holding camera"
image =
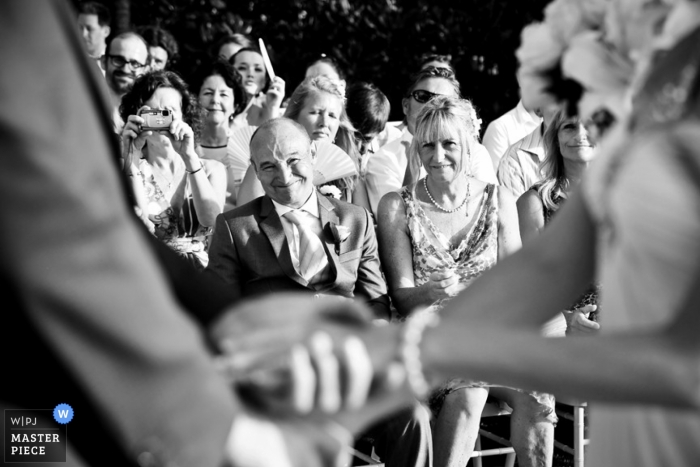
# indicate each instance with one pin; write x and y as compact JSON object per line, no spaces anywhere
{"x":179,"y":194}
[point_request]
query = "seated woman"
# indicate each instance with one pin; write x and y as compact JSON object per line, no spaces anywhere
{"x":318,"y":104}
{"x":568,"y":150}
{"x":265,"y":95}
{"x":438,"y":235}
{"x":179,"y":194}
{"x":222,"y":98}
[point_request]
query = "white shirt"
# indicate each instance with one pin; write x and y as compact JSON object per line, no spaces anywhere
{"x":510,"y":127}
{"x":520,"y":166}
{"x":311,"y":218}
{"x":387,"y":167}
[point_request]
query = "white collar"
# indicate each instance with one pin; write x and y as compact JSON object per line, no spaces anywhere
{"x":310,"y":206}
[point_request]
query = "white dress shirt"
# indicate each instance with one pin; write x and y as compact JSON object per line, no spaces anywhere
{"x":520,"y":167}
{"x":510,"y":127}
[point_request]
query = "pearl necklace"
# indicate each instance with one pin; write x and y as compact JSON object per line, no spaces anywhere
{"x":464,"y":203}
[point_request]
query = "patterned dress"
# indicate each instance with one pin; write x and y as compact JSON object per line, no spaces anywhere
{"x":590,"y":297}
{"x":475,"y":254}
{"x":175,"y":219}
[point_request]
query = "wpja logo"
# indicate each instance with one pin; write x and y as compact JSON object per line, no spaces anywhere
{"x":37,"y":435}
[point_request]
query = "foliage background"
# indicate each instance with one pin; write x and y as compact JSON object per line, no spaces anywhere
{"x":373,"y":40}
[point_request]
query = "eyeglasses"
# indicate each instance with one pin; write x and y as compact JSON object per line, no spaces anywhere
{"x":120,"y":62}
{"x":422,"y":96}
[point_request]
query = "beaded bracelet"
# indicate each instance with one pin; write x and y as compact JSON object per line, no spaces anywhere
{"x":409,"y":349}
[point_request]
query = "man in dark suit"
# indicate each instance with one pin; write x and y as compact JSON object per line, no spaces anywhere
{"x":294,"y":238}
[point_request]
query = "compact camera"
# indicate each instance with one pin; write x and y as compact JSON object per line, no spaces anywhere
{"x":156,"y":119}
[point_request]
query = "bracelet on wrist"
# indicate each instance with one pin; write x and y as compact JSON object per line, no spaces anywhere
{"x":191,"y":172}
{"x":409,"y":349}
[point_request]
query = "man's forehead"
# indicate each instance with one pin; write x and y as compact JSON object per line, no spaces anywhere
{"x":281,"y":143}
{"x":87,"y":18}
{"x":129,"y":47}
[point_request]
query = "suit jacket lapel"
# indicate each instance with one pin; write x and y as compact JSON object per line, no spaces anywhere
{"x":326,"y":212}
{"x":271,"y":225}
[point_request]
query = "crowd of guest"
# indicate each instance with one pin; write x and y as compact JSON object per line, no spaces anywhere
{"x":442,"y":221}
{"x":317,"y":192}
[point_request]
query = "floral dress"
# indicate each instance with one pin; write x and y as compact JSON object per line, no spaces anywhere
{"x":175,"y":220}
{"x":475,"y":254}
{"x":590,"y":297}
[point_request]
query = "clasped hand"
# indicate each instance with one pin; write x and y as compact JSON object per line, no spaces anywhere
{"x":444,"y":284}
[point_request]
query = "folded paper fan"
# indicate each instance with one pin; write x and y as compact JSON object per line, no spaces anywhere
{"x":238,"y":156}
{"x":332,"y":163}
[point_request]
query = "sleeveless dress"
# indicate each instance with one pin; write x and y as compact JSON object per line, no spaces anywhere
{"x":175,"y":219}
{"x":475,"y":254}
{"x":234,"y":174}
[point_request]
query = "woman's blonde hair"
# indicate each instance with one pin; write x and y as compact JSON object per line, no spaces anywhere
{"x":554,"y":183}
{"x":441,"y":116}
{"x":345,"y":137}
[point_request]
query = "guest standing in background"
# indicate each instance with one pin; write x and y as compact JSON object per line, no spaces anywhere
{"x":94,"y":22}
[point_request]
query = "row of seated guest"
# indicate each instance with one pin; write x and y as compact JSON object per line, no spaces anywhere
{"x":444,"y":155}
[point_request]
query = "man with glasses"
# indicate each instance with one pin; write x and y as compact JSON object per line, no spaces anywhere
{"x":126,"y":59}
{"x":389,"y":168}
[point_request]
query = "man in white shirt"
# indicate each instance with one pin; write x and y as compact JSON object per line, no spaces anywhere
{"x":519,"y":168}
{"x":389,"y":168}
{"x":507,"y":129}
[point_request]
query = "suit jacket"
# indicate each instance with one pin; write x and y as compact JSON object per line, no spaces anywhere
{"x":249,"y":251}
{"x":95,"y":322}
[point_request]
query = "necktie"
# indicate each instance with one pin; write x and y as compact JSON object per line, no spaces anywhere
{"x":312,"y":255}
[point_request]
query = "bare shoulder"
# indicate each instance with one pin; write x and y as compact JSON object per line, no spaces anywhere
{"x":505,"y":197}
{"x":390,"y":206}
{"x":529,"y":202}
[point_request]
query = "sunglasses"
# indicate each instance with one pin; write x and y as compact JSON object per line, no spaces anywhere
{"x":422,"y":96}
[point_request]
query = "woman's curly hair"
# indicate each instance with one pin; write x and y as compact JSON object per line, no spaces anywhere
{"x":146,"y":85}
{"x":230,"y":76}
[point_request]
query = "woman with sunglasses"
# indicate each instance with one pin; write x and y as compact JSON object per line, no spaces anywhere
{"x":390,"y":168}
{"x":264,"y":94}
{"x":436,"y":236}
